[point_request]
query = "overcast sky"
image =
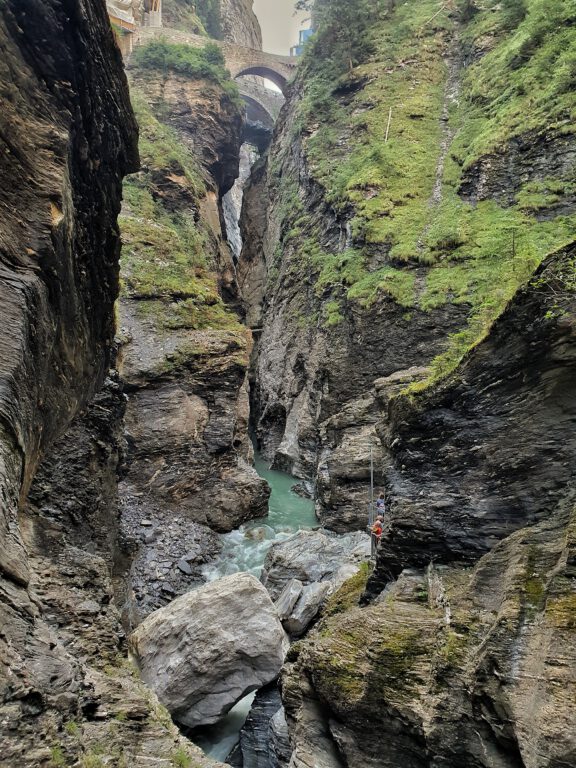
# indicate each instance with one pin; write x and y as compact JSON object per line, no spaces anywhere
{"x":279,"y":25}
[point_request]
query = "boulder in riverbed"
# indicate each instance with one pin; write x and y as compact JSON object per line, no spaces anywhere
{"x":208,"y":649}
{"x":304,"y":570}
{"x":311,"y":556}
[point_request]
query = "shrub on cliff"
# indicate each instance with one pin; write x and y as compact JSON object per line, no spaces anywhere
{"x":199,"y":63}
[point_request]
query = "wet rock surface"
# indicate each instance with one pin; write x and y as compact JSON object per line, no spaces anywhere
{"x":313,"y":397}
{"x":211,"y":647}
{"x":167,"y":554}
{"x":459,"y":659}
{"x":264,"y":741}
{"x":493,"y":448}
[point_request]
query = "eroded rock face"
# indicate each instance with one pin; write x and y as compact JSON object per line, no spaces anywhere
{"x":456,"y":665}
{"x":493,"y":448}
{"x":184,"y":352}
{"x":68,"y":136}
{"x":75,"y":696}
{"x":449,"y":667}
{"x":66,"y":150}
{"x":264,"y":741}
{"x":187,"y":424}
{"x":311,"y":556}
{"x":239,"y":23}
{"x":314,"y":393}
{"x":209,"y":648}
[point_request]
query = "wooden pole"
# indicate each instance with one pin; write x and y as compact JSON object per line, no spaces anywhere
{"x":388,"y":126}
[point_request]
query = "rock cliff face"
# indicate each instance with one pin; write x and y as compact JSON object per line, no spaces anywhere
{"x":67,"y":695}
{"x":56,"y":296}
{"x":230,"y":20}
{"x":454,"y":665}
{"x":65,"y":146}
{"x":239,"y":23}
{"x":412,"y":285}
{"x":367,"y":265}
{"x":184,"y":352}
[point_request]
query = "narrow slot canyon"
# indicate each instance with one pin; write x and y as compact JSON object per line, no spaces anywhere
{"x":288,"y":384}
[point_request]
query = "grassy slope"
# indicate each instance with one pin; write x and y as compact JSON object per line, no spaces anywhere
{"x":167,"y":254}
{"x":524,"y":81}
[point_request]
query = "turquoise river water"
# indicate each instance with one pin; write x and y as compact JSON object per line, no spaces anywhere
{"x":245,"y":550}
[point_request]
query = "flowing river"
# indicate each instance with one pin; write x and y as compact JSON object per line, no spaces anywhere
{"x":245,"y":550}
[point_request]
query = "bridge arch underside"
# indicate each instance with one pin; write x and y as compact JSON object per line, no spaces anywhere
{"x":257,"y":112}
{"x":267,"y":72}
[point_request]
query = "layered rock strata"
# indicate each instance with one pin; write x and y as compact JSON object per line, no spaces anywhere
{"x":374,"y":258}
{"x":413,"y":296}
{"x":66,"y":695}
{"x":184,"y":352}
{"x":461,"y":665}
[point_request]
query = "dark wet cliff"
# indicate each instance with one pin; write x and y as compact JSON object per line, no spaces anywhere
{"x":184,"y":352}
{"x":376,"y":254}
{"x":66,"y":148}
{"x":67,"y":136}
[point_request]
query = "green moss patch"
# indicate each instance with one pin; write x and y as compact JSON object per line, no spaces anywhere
{"x":167,"y":258}
{"x":198,"y":63}
{"x":349,"y":593}
{"x":392,"y":122}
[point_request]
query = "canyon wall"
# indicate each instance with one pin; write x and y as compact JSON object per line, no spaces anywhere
{"x":184,"y":353}
{"x":68,"y":693}
{"x":409,"y":259}
{"x":402,"y":205}
{"x":230,"y":20}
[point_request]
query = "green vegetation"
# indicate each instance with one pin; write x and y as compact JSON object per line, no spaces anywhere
{"x":533,"y":583}
{"x":181,"y":759}
{"x":392,"y":133}
{"x":199,"y":63}
{"x":209,"y":12}
{"x":57,"y":759}
{"x":349,"y":593}
{"x":562,"y":611}
{"x":181,"y":14}
{"x":167,"y":251}
{"x":161,"y":147}
{"x":453,"y":648}
{"x":92,"y":759}
{"x":72,"y":728}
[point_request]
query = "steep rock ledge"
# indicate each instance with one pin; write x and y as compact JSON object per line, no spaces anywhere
{"x":451,"y":667}
{"x":65,"y":149}
{"x":66,"y":693}
{"x":393,"y":222}
{"x":452,"y":664}
{"x":184,"y":354}
{"x":492,"y":449}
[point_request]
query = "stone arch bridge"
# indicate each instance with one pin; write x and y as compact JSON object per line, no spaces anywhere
{"x":240,"y":61}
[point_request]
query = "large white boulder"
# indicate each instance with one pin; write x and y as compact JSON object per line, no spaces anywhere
{"x":208,"y":649}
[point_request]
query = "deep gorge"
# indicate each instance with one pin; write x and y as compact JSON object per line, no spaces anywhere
{"x":398,"y":284}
